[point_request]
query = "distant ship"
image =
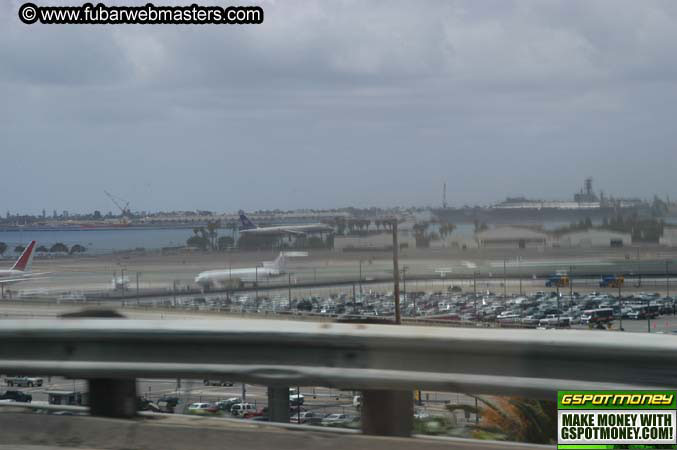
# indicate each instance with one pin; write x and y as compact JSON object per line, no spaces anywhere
{"x":585,"y":205}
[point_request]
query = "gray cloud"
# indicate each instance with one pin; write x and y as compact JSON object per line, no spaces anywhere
{"x":335,"y":103}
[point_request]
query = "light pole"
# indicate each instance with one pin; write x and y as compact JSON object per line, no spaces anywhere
{"x":474,"y":286}
{"x":639,"y":270}
{"x":122,"y":280}
{"x":360,"y":278}
{"x":404,"y":286}
{"x":396,"y":273}
{"x":558,"y":303}
{"x":620,"y":301}
{"x":667,"y":279}
{"x":289,"y":289}
{"x":519,"y":272}
{"x":505,"y":282}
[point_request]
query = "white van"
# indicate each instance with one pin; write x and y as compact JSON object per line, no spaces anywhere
{"x":240,"y":409}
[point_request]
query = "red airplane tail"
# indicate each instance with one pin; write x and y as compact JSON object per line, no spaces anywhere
{"x":25,"y":261}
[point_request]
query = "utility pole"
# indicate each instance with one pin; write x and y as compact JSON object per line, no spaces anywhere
{"x":396,"y":273}
{"x":256,"y":284}
{"x":519,"y":272}
{"x":667,"y":279}
{"x":639,"y":270}
{"x":360,"y":277}
{"x":137,"y":288}
{"x":505,"y":281}
{"x":620,"y":301}
{"x":354,"y":301}
{"x":474,"y":285}
{"x":404,"y":285}
{"x":289,"y":289}
{"x":571,"y":285}
{"x":558,"y":305}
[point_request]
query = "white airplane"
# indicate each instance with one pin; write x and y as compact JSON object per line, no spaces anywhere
{"x":21,"y":270}
{"x":269,"y":269}
{"x":248,"y":227}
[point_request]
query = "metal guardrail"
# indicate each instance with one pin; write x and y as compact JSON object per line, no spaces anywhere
{"x":385,"y":361}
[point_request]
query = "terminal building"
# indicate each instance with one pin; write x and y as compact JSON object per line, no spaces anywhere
{"x":511,"y":237}
{"x":523,"y":237}
{"x":382,"y":241}
{"x":594,"y":238}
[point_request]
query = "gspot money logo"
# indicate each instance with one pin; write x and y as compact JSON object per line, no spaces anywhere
{"x":616,"y":419}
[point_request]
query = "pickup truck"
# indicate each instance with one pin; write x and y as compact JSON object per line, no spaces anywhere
{"x":553,"y":320}
{"x":23,"y":381}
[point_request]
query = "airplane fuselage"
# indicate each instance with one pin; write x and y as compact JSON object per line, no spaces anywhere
{"x":12,"y":273}
{"x":290,"y":229}
{"x":223,"y":276}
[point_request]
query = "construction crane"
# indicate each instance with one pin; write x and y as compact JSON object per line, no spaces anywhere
{"x":124,"y":210}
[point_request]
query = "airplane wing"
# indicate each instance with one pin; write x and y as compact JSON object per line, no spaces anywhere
{"x":294,"y":232}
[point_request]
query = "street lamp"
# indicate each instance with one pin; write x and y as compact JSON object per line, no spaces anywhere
{"x":667,"y":279}
{"x":620,"y":300}
{"x":505,"y":282}
{"x":360,"y":278}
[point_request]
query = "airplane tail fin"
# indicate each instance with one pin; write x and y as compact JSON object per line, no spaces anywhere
{"x":245,"y":223}
{"x":281,"y":261}
{"x":25,"y":261}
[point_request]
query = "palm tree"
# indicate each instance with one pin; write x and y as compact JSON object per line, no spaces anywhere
{"x":515,"y":419}
{"x":59,"y":247}
{"x":212,"y":227}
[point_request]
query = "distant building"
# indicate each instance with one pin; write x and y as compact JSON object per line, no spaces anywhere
{"x":669,"y":237}
{"x":594,"y":238}
{"x":376,"y":241}
{"x":511,"y":237}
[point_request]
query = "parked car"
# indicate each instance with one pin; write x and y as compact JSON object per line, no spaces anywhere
{"x":217,"y":383}
{"x":225,"y":405}
{"x":296,"y":399}
{"x":240,"y":409}
{"x":307,"y":417}
{"x":201,"y":409}
{"x":251,"y":414}
{"x":335,"y":420}
{"x":553,"y":320}
{"x":16,"y":396}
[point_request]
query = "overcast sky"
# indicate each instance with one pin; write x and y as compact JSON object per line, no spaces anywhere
{"x":339,"y":103}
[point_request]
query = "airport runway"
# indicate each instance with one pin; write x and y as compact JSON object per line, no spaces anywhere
{"x":154,"y":270}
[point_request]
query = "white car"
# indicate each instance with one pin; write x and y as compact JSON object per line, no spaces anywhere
{"x":200,"y":408}
{"x":335,"y":419}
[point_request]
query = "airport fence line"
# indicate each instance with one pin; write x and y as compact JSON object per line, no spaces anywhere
{"x":385,"y":362}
